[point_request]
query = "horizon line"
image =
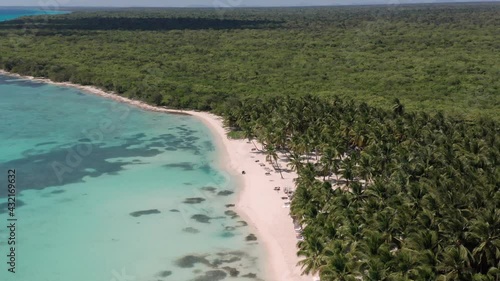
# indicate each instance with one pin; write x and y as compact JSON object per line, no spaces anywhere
{"x":431,"y":2}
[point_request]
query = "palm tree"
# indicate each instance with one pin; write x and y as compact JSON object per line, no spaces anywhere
{"x":295,"y":161}
{"x":272,"y":155}
{"x":484,"y":232}
{"x":248,"y":133}
{"x":347,"y":170}
{"x":365,"y":168}
{"x":340,"y":266}
{"x":312,"y":249}
{"x":455,"y":264}
{"x":327,"y":161}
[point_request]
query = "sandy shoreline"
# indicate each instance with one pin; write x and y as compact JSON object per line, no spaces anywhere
{"x":258,"y":202}
{"x":98,"y":92}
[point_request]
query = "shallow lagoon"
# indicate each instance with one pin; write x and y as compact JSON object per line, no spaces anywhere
{"x":106,"y":191}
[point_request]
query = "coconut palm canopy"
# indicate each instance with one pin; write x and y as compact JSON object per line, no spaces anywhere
{"x":417,"y":195}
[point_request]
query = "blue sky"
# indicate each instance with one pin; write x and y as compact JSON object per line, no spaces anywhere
{"x":208,"y":3}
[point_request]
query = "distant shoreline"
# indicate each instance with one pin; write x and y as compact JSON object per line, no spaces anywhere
{"x":99,"y":92}
{"x":31,"y":12}
{"x":257,"y":201}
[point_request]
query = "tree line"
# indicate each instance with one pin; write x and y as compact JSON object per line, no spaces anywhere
{"x":431,"y":57}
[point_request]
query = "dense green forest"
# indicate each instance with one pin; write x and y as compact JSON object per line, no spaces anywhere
{"x":432,"y":57}
{"x":389,"y":115}
{"x":384,"y":195}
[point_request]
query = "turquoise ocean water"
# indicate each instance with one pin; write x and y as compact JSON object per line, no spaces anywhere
{"x":109,"y":192}
{"x":9,"y":13}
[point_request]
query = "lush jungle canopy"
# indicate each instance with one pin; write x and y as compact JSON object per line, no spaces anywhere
{"x":386,"y":113}
{"x":431,"y":57}
{"x":384,"y":195}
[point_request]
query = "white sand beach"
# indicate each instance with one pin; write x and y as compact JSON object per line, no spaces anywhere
{"x":258,"y":202}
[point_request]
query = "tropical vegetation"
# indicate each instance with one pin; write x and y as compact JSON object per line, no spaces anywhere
{"x":388,"y":114}
{"x":440,"y":57}
{"x":384,"y":194}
